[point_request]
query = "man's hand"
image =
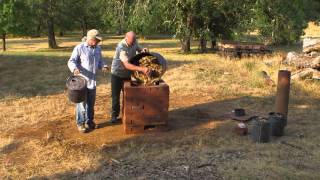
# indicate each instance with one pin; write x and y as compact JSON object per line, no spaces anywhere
{"x":105,"y":68}
{"x":76,"y":71}
{"x":145,"y":70}
{"x":145,"y":50}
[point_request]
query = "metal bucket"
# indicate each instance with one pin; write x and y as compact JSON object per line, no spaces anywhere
{"x":77,"y":89}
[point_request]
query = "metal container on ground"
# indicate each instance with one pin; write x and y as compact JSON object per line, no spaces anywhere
{"x":277,"y":123}
{"x":239,"y":112}
{"x":77,"y":89}
{"x":261,"y":130}
{"x":241,"y":129}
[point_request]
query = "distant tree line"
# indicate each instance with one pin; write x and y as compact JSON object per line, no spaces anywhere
{"x":207,"y":21}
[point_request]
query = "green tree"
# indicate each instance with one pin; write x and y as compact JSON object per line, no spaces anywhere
{"x":14,"y":19}
{"x":312,"y":10}
{"x":83,"y":14}
{"x":145,"y":17}
{"x":45,"y":13}
{"x":179,"y":16}
{"x":205,"y":20}
{"x":279,"y":21}
{"x":114,"y":14}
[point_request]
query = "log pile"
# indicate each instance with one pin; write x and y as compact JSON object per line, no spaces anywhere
{"x":308,"y":62}
{"x":242,"y":49}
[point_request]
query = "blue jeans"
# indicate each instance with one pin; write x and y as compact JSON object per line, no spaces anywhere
{"x":85,"y":110}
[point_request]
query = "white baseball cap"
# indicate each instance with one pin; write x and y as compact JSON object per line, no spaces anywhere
{"x":94,"y":34}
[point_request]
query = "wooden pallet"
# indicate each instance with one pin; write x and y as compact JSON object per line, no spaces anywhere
{"x":240,"y":49}
{"x":145,"y":129}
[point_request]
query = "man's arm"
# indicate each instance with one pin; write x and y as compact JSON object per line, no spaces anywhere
{"x":141,"y":49}
{"x":74,"y":61}
{"x":125,"y":61}
{"x":101,"y":62}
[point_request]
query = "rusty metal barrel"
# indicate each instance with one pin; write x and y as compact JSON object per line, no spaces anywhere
{"x":77,"y":89}
{"x":135,"y":60}
{"x":283,"y":91}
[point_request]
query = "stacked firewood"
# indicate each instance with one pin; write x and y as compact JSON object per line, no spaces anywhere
{"x":307,"y":62}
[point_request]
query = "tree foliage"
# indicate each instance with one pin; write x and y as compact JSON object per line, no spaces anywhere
{"x":276,"y":21}
{"x":14,"y":19}
{"x":279,"y":21}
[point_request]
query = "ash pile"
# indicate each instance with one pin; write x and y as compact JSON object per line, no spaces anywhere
{"x":155,"y":63}
{"x":307,"y":63}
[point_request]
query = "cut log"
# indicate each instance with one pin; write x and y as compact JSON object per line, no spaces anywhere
{"x":313,"y":48}
{"x":303,"y":74}
{"x":291,"y":58}
{"x":302,"y":61}
{"x":315,"y":64}
{"x":314,"y":54}
{"x":316,"y":75}
{"x":311,"y":44}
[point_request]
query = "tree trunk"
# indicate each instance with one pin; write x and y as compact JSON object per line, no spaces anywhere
{"x":51,"y":36}
{"x":185,"y":44}
{"x":83,"y":30}
{"x":4,"y":42}
{"x":186,"y":40}
{"x":203,"y":45}
{"x":213,"y":44}
{"x":37,"y":32}
{"x":84,"y":26}
{"x":121,"y":18}
{"x":119,"y":30}
{"x":61,"y":33}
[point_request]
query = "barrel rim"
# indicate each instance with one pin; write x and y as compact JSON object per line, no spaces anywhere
{"x":75,"y":76}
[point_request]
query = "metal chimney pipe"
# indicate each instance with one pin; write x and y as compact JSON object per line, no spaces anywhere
{"x":283,"y":91}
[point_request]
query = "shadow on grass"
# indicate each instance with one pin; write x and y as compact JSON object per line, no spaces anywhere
{"x":166,"y":155}
{"x":9,"y":148}
{"x":163,"y":155}
{"x":28,"y":75}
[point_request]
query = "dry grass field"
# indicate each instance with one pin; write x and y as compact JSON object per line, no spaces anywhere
{"x":39,"y":139}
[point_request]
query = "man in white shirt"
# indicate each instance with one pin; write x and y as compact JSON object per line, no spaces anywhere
{"x":85,"y":60}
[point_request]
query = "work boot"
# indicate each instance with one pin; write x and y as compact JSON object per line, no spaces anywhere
{"x":82,"y":128}
{"x":114,"y":120}
{"x":92,"y":125}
